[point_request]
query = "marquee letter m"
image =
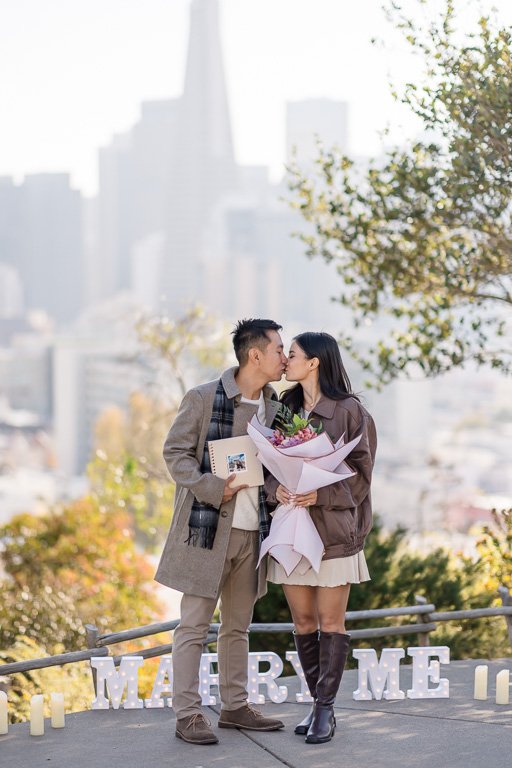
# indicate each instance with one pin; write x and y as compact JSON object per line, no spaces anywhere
{"x":385,"y":672}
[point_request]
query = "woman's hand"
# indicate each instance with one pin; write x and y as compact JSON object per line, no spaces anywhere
{"x":305,"y":499}
{"x":284,"y":496}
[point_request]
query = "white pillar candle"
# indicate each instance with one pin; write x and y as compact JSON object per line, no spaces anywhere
{"x":3,"y":712}
{"x":37,"y":715}
{"x":481,"y":673}
{"x":502,"y":687}
{"x":58,"y":718}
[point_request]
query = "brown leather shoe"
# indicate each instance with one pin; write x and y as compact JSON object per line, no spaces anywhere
{"x":249,"y":718}
{"x":195,"y":729}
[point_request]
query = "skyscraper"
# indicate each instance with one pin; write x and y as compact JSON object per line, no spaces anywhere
{"x":11,"y":229}
{"x":52,"y":258}
{"x":11,"y":292}
{"x":41,"y":239}
{"x":204,"y":170}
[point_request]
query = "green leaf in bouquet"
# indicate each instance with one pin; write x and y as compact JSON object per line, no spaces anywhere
{"x":289,"y":423}
{"x":284,"y":419}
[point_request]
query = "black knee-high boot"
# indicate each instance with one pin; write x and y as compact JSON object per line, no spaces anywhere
{"x":333,"y":657}
{"x":308,"y":649}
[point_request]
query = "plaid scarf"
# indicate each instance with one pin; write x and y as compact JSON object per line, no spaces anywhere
{"x":203,"y":520}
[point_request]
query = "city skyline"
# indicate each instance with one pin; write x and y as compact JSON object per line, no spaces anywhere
{"x":78,"y":75}
{"x":178,"y":217}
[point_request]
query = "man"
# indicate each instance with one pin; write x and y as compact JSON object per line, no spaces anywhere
{"x":212,"y":546}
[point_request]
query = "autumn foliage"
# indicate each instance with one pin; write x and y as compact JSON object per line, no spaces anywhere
{"x":73,"y":565}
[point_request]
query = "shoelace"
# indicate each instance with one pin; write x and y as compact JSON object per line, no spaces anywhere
{"x":254,"y":711}
{"x":197,"y":718}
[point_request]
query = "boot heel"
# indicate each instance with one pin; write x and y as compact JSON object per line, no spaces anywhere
{"x":322,"y":725}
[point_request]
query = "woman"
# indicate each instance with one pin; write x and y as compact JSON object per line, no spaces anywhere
{"x":342,"y":515}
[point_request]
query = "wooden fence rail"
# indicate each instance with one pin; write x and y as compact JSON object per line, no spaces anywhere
{"x":167,"y":626}
{"x":51,"y":661}
{"x":426,"y":622}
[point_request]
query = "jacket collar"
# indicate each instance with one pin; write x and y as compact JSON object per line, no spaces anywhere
{"x":325,"y":407}
{"x":229,"y":383}
{"x":231,"y":388}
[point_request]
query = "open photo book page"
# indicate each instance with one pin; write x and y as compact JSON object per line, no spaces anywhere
{"x":236,"y":456}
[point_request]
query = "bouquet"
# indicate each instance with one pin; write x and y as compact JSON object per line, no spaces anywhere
{"x":292,"y":430}
{"x":303,"y":459}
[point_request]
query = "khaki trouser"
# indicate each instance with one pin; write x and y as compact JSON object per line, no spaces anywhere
{"x":238,"y":592}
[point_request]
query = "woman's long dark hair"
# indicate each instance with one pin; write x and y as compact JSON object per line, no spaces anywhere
{"x":332,"y":376}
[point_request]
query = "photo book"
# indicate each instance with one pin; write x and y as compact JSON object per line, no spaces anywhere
{"x":236,"y":455}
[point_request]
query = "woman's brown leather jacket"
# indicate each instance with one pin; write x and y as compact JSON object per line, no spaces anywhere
{"x":343,"y":512}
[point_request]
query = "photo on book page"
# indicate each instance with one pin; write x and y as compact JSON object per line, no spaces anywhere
{"x":236,"y":463}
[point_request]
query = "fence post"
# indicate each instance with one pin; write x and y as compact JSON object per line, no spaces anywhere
{"x":506,"y":599}
{"x":91,"y":636}
{"x":423,"y":618}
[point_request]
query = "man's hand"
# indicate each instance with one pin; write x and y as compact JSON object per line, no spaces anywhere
{"x":229,"y":492}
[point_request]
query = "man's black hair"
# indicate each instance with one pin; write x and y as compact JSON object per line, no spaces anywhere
{"x":249,"y":333}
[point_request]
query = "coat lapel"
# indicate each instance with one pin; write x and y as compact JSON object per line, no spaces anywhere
{"x":271,"y":409}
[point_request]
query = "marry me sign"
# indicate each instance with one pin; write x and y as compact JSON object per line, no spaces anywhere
{"x":377,"y":678}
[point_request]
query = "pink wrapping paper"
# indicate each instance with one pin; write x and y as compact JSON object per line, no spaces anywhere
{"x":302,"y":468}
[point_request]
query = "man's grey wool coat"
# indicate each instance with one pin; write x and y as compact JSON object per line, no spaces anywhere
{"x":189,"y":569}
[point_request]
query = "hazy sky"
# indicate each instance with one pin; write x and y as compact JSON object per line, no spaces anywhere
{"x":74,"y":72}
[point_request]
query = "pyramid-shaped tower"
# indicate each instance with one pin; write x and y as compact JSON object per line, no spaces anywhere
{"x":205,"y":115}
{"x":161,"y":183}
{"x":204,"y":169}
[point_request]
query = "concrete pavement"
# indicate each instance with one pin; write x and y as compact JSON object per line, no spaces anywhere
{"x":445,"y":733}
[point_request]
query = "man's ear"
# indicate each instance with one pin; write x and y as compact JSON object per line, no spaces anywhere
{"x":255,"y":355}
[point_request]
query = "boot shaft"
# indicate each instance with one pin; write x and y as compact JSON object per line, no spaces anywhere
{"x":333,"y":654}
{"x":308,"y":648}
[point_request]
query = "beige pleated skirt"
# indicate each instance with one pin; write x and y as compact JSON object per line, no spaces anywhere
{"x":333,"y":573}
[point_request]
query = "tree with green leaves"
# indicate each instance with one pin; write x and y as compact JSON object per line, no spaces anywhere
{"x":423,"y":236}
{"x":127,"y":470}
{"x":495,"y":550}
{"x":74,"y":565}
{"x":191,"y":348}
